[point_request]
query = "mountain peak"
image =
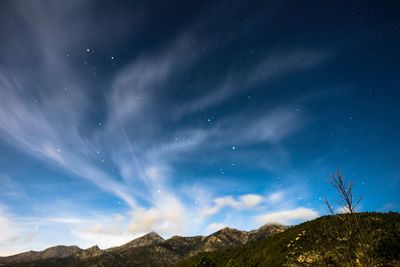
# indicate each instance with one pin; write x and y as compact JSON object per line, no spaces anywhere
{"x":148,"y":239}
{"x":88,"y":253}
{"x":271,"y":227}
{"x":153,"y":235}
{"x":272,"y":224}
{"x":95,"y":247}
{"x":228,"y":230}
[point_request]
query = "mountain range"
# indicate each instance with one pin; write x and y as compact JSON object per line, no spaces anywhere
{"x":148,"y":250}
{"x":358,"y":239}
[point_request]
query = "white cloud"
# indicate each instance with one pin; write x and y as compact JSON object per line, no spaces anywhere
{"x":104,"y":230}
{"x":248,"y":201}
{"x":342,"y":209}
{"x":13,"y":237}
{"x":20,"y":233}
{"x":168,"y":217}
{"x":287,"y":217}
{"x":213,"y":227}
{"x":275,"y":197}
{"x":8,"y":229}
{"x":67,"y":220}
{"x":89,"y":237}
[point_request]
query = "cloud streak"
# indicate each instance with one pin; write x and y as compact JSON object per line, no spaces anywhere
{"x":123,"y":133}
{"x":272,"y":66}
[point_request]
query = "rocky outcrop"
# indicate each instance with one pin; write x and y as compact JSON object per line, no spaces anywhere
{"x":89,"y":253}
{"x":146,"y":240}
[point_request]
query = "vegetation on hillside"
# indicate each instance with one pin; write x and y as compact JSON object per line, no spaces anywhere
{"x":345,"y":239}
{"x":321,"y":242}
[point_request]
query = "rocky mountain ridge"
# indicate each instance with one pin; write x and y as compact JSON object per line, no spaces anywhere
{"x":52,"y":252}
{"x":148,"y":249}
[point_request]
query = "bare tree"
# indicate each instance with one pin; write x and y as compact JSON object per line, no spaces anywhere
{"x":345,"y":191}
{"x":352,"y":229}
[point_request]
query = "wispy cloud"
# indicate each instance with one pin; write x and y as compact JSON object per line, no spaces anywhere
{"x":272,"y":66}
{"x":9,"y":187}
{"x":276,"y":196}
{"x":132,"y":152}
{"x":7,"y":227}
{"x":242,"y":202}
{"x":287,"y":217}
{"x":42,"y":131}
{"x":269,"y":127}
{"x":281,"y":63}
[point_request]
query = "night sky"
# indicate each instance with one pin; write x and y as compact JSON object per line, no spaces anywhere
{"x":122,"y":117}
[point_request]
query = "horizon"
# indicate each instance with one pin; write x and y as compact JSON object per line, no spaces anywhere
{"x":155,"y":233}
{"x":125,"y":117}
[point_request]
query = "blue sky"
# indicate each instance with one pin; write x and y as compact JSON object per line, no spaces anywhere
{"x":119,"y":118}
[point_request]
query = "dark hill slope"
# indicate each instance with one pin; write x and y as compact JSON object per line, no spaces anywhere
{"x":363,"y":239}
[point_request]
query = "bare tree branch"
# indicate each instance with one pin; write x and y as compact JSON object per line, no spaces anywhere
{"x":345,"y":192}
